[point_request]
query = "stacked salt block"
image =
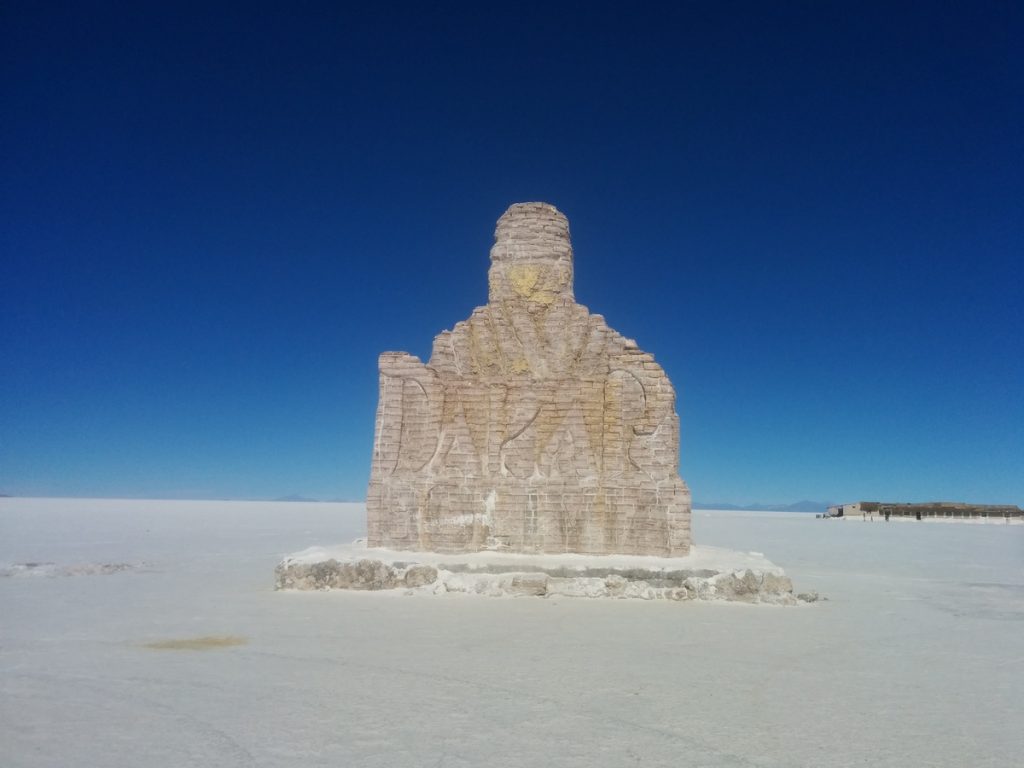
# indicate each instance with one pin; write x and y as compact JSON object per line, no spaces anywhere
{"x":707,"y":574}
{"x":745,"y":586}
{"x":534,"y":427}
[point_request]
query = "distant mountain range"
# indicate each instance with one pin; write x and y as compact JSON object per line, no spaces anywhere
{"x":800,"y":506}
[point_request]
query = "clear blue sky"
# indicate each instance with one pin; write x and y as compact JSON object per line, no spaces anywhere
{"x":214,"y":220}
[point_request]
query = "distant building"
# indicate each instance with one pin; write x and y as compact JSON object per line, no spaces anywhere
{"x":928,"y":509}
{"x":844,"y":510}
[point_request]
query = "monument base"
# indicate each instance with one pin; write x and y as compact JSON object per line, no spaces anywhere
{"x":707,"y":573}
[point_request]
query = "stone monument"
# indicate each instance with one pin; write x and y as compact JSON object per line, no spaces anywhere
{"x":533,"y":428}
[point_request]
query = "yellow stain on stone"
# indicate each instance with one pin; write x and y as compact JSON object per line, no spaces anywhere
{"x":520,"y":366}
{"x":484,"y":353}
{"x":524,"y":278}
{"x":205,"y":643}
{"x":542,"y":297}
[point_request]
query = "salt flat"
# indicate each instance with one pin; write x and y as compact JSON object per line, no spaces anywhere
{"x":188,"y":657}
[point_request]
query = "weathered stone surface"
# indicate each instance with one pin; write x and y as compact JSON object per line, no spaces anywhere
{"x":331,"y":574}
{"x":777,"y":584}
{"x":516,"y":579}
{"x":534,"y":427}
{"x":419,"y":575}
{"x":529,"y":584}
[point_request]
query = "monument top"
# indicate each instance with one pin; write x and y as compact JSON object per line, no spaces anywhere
{"x":531,"y":259}
{"x":532,"y":231}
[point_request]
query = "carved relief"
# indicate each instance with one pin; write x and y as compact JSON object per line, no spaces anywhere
{"x":533,"y":426}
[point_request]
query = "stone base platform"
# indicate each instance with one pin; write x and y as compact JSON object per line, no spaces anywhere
{"x":707,"y":573}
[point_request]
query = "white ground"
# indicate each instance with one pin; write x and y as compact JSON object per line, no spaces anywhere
{"x":917,"y":659}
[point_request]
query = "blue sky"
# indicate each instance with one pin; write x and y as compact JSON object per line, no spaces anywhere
{"x":215,"y":219}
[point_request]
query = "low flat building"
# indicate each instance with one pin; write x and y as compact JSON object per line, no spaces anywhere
{"x":844,"y":510}
{"x":928,"y":509}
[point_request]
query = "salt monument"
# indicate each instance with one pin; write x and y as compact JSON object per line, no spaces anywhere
{"x":534,"y":454}
{"x":533,"y":428}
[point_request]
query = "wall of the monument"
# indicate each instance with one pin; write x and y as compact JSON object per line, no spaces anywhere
{"x":577,"y":465}
{"x":534,"y":427}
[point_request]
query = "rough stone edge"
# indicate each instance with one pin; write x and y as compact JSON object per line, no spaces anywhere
{"x":743,"y":585}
